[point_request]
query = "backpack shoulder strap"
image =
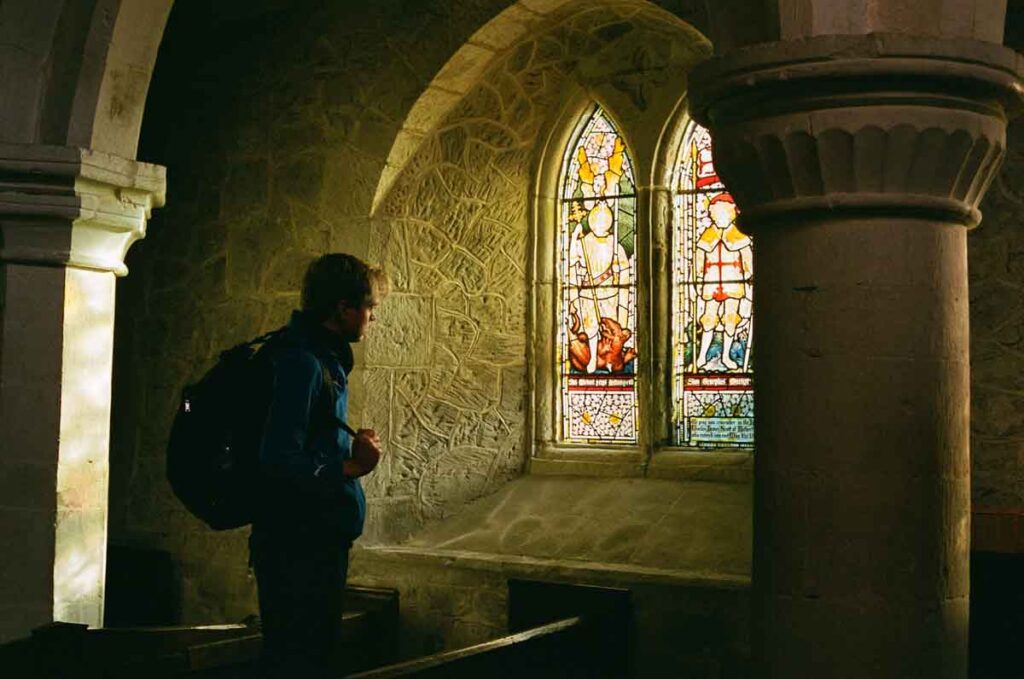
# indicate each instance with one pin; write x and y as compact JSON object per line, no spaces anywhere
{"x":323,"y":418}
{"x":274,"y":337}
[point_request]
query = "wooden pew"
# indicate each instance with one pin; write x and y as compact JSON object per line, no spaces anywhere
{"x":65,"y":650}
{"x":558,"y":630}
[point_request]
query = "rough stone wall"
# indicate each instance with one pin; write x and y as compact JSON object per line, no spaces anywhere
{"x":678,"y":628}
{"x":275,"y":119}
{"x":996,"y":274}
{"x":447,"y":366}
{"x":996,"y":265}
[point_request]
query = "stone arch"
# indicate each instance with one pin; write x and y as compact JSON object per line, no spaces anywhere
{"x":72,"y":95}
{"x":676,"y":129}
{"x":454,"y":229}
{"x":456,"y":78}
{"x":470,"y":62}
{"x":78,"y":71}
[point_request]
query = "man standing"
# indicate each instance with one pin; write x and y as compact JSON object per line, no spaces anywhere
{"x":312,"y":505}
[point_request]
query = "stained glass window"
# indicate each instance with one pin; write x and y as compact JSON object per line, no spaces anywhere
{"x":713,"y":314}
{"x":597,"y":270}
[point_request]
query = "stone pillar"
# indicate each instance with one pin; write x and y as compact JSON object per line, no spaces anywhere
{"x":67,"y":218}
{"x":858,"y":163}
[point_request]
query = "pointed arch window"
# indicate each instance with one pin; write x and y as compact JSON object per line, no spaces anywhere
{"x":598,"y":284}
{"x":713,"y":317}
{"x":645,"y":315}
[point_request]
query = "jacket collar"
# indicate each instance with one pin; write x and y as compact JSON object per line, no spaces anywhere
{"x":321,"y":340}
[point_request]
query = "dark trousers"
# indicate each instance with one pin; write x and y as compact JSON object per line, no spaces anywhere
{"x":301,"y":582}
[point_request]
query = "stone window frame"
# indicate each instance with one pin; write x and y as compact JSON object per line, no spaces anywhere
{"x":655,"y":453}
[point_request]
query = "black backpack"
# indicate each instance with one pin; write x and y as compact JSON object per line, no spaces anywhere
{"x":214,"y":447}
{"x":213,"y":450}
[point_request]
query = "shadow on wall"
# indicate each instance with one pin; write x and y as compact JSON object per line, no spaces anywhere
{"x":142,"y":588}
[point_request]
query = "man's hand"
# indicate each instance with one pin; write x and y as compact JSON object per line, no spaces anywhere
{"x":365,"y":454}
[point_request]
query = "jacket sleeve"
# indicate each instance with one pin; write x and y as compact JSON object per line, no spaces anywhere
{"x":284,"y":454}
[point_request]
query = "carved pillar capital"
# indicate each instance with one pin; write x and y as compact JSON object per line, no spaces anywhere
{"x":65,"y":206}
{"x":857,"y":160}
{"x":877,"y":124}
{"x":67,"y":218}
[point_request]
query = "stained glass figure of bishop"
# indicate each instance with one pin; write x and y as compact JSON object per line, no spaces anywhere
{"x":723,"y":263}
{"x":599,"y":268}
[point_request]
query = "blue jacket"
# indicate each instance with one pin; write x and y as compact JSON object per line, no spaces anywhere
{"x":304,"y":489}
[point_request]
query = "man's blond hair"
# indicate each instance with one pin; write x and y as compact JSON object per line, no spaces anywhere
{"x":338,"y":277}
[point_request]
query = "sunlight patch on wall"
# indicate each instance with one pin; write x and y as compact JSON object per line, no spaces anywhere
{"x":83,"y":463}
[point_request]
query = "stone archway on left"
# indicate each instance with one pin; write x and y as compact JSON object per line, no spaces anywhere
{"x":73,"y":84}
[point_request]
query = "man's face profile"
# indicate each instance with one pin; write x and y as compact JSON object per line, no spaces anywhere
{"x":353,"y":321}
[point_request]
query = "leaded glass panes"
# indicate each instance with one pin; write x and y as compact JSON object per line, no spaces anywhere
{"x":597,"y":274}
{"x":713,"y":315}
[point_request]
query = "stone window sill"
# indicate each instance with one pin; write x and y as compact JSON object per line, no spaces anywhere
{"x":673,"y":463}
